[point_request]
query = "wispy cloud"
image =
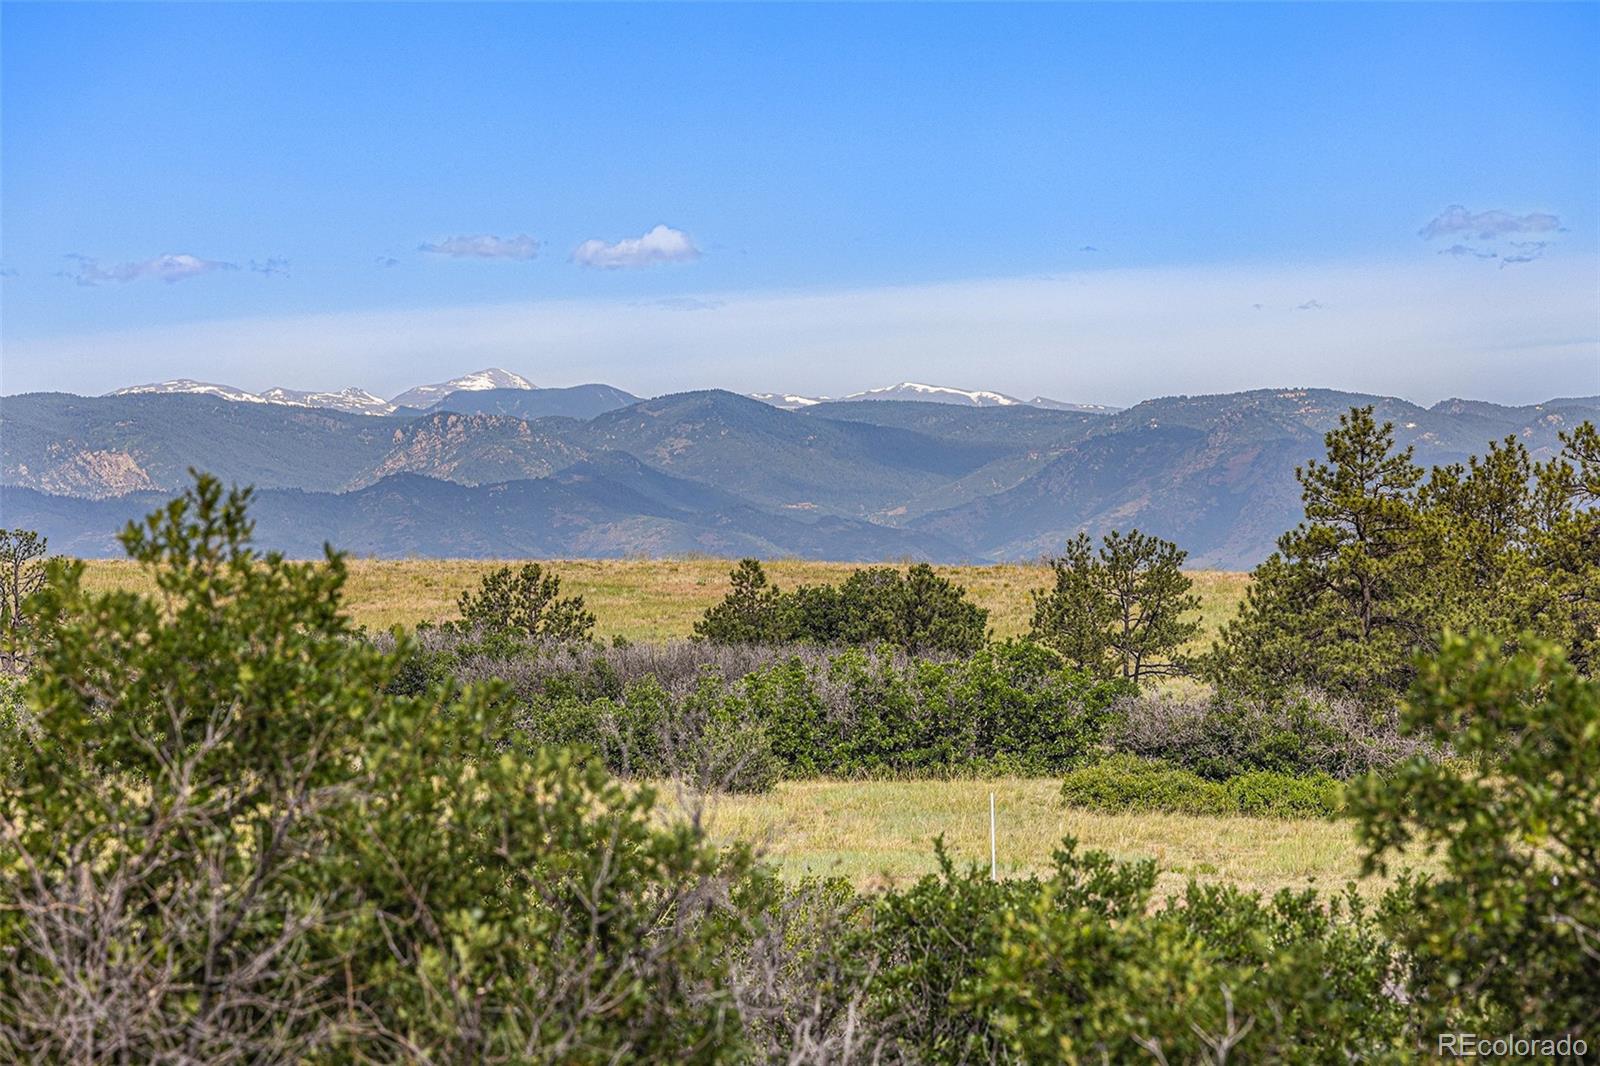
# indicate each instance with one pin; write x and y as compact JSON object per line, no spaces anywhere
{"x":1088,"y":248}
{"x":273,"y":267}
{"x":1457,"y":221}
{"x":685,"y":303}
{"x":1498,"y":229}
{"x":485,"y":246}
{"x":661,"y":245}
{"x":386,"y":261}
{"x":168,"y":268}
{"x":1462,"y":251}
{"x":1311,"y":305}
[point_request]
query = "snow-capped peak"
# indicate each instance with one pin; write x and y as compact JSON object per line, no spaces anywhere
{"x":190,"y":386}
{"x":788,"y":401}
{"x":912,"y":390}
{"x":917,"y":392}
{"x":354,"y":400}
{"x":477,"y":381}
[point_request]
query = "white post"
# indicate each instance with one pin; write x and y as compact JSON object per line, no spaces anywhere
{"x":994,"y":868}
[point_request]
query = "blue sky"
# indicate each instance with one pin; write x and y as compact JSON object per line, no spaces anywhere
{"x":1100,"y":203}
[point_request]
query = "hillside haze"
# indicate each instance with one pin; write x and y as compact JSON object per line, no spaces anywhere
{"x":593,"y":471}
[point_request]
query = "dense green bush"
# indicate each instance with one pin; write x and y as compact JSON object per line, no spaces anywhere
{"x":1011,"y":707}
{"x":1083,"y":966}
{"x":16,"y":727}
{"x":1123,"y":783}
{"x":1505,"y":935}
{"x":918,"y":611}
{"x":224,"y":843}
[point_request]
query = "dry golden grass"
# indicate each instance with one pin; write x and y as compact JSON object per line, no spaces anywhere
{"x":656,"y":599}
{"x":880,"y":833}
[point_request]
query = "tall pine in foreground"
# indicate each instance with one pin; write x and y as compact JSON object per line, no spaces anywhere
{"x":1338,"y":606}
{"x":1386,"y":563}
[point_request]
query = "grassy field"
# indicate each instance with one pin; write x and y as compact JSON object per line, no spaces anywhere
{"x":658,"y":599}
{"x":881,"y":833}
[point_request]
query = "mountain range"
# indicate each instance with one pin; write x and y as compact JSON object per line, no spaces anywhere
{"x":507,"y":469}
{"x":584,"y":401}
{"x":352,"y":399}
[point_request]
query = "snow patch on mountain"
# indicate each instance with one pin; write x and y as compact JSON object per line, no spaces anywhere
{"x":919,"y":393}
{"x":912,"y":390}
{"x":477,"y":381}
{"x":788,"y":401}
{"x":190,"y":386}
{"x":353,"y":400}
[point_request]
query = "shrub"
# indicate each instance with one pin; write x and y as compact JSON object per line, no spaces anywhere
{"x":919,"y":611}
{"x":718,"y":743}
{"x":1123,"y":783}
{"x":228,"y":845}
{"x":1011,"y":707}
{"x":1219,"y":737}
{"x":1081,"y":966}
{"x":17,"y":728}
{"x":1507,"y":932}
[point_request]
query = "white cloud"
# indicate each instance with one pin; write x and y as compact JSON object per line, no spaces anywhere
{"x":485,"y":246}
{"x":1460,"y":251}
{"x":170,"y":267}
{"x":661,"y":245}
{"x":1107,"y":336}
{"x":1456,"y":220}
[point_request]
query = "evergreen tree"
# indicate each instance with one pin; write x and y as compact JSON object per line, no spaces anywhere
{"x":1121,"y":612}
{"x":1565,"y":548}
{"x":1339,"y":606}
{"x":526,"y":604}
{"x":753,"y":612}
{"x":919,"y":611}
{"x":22,"y":574}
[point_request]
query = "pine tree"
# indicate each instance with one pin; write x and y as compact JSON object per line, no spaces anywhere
{"x":1340,"y":605}
{"x":1121,"y":612}
{"x":525,"y":604}
{"x":753,"y":612}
